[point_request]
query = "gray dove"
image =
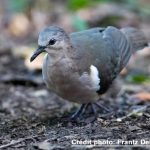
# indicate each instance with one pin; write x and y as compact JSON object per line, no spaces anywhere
{"x":81,"y":66}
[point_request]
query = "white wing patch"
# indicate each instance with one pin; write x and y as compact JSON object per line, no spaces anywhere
{"x":94,"y":74}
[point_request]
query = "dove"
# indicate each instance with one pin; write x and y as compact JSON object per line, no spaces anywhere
{"x":81,"y":66}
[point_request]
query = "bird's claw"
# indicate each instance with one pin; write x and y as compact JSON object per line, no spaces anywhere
{"x":82,"y":110}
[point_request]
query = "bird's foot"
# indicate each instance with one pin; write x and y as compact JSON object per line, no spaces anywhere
{"x":79,"y":112}
{"x":101,"y":107}
{"x":82,"y":110}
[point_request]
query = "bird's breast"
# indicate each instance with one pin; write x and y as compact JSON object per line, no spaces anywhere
{"x":64,"y":80}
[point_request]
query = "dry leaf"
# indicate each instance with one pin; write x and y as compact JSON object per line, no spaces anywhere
{"x":45,"y":145}
{"x":144,"y":96}
{"x":19,"y":25}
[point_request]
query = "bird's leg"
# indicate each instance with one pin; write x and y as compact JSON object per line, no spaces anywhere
{"x":84,"y":107}
{"x":94,"y":112}
{"x":93,"y":109}
{"x":101,"y":107}
{"x":79,"y":112}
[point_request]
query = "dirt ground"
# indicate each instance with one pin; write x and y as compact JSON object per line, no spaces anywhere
{"x":33,"y":118}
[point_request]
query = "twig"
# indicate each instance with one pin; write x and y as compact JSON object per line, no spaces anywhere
{"x":17,"y":142}
{"x":138,"y":111}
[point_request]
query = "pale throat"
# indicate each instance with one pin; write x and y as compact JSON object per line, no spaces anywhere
{"x":56,"y":55}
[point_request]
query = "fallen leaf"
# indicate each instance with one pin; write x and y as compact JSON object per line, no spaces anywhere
{"x":45,"y":145}
{"x":19,"y":25}
{"x":144,"y":96}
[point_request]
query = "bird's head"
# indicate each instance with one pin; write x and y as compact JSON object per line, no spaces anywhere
{"x":50,"y":40}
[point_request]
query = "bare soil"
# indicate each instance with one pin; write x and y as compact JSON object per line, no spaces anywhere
{"x":31,"y":117}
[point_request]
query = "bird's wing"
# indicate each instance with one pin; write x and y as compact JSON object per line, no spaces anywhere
{"x":103,"y":48}
{"x":120,"y":45}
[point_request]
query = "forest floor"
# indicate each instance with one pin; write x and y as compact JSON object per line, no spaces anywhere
{"x":31,"y":117}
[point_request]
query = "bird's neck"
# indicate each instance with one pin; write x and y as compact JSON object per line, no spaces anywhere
{"x":67,"y":52}
{"x":55,"y":56}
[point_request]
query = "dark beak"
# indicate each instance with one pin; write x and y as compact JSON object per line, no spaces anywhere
{"x":37,"y":52}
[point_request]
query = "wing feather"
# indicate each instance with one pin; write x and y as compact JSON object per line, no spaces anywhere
{"x":105,"y":48}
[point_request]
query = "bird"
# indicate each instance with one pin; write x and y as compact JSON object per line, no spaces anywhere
{"x":81,"y":66}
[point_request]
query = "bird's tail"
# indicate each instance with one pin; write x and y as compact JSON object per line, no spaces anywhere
{"x":136,"y":38}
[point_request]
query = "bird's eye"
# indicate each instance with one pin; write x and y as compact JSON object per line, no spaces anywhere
{"x":52,"y":41}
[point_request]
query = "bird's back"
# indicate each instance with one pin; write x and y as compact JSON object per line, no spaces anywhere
{"x":108,"y":49}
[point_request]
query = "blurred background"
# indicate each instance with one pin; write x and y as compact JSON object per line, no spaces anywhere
{"x":25,"y":104}
{"x":21,"y":21}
